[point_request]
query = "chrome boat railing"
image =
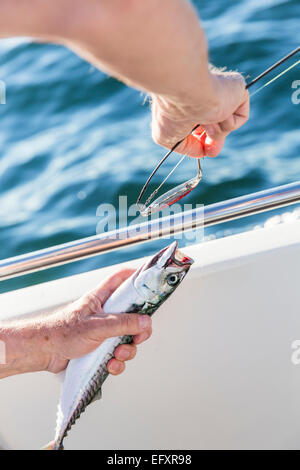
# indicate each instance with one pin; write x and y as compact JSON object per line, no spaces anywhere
{"x":150,"y":230}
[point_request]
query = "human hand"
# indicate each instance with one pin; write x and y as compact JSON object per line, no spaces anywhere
{"x":50,"y":342}
{"x":82,"y":327}
{"x":172,"y":122}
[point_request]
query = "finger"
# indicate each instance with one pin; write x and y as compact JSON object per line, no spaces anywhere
{"x":218,"y":132}
{"x":119,"y":324}
{"x":210,"y":147}
{"x":125,"y":352}
{"x":104,"y":291}
{"x":242,"y":114}
{"x":232,"y":91}
{"x":233,"y":122}
{"x":141,"y":337}
{"x":115,"y":367}
{"x":213,"y":147}
{"x":192,"y":146}
{"x":167,"y":133}
{"x":238,"y":118}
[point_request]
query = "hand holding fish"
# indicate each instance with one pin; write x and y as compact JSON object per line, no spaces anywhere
{"x":83,"y":326}
{"x":141,"y":293}
{"x":49,"y":343}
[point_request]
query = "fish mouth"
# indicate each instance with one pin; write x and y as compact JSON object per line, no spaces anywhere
{"x":170,"y":256}
{"x":177,"y":258}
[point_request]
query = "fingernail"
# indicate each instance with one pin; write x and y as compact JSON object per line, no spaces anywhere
{"x":144,"y":322}
{"x":125,"y":355}
{"x":116,"y":367}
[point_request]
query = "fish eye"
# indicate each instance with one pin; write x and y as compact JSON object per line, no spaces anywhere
{"x":172,"y":279}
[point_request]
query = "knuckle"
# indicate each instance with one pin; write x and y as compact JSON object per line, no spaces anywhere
{"x":129,"y":322}
{"x":158,"y":137}
{"x":125,"y":352}
{"x":93,"y":302}
{"x":132,"y":351}
{"x":246,"y":95}
{"x":132,"y":356}
{"x":115,"y":367}
{"x":71,"y":322}
{"x":163,"y":132}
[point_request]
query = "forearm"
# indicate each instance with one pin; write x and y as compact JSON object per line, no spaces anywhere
{"x":157,"y":46}
{"x":22,"y":348}
{"x":36,"y":18}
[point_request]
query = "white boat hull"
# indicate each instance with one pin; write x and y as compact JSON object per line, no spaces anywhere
{"x":216,"y":374}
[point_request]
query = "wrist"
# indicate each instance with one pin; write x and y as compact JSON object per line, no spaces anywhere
{"x":220,"y":95}
{"x":24,"y":347}
{"x":194,"y":104}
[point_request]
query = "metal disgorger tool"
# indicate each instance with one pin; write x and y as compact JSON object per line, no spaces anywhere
{"x":177,"y":193}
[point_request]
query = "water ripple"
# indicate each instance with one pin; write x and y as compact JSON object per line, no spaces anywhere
{"x":72,"y":138}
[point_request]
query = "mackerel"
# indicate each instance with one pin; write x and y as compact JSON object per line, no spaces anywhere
{"x":142,"y":293}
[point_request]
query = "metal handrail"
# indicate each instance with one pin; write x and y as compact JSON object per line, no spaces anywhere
{"x":151,"y":230}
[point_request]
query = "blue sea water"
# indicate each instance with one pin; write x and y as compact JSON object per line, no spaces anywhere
{"x":73,"y":138}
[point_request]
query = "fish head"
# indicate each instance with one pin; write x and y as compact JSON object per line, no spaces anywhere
{"x":160,"y":276}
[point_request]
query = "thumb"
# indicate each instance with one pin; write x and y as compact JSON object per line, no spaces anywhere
{"x":234,"y":89}
{"x":121,"y":324}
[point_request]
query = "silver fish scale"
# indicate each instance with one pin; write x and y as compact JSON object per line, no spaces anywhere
{"x":102,"y":373}
{"x":96,"y":383}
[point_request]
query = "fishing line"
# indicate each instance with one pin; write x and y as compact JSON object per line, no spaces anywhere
{"x":167,"y":177}
{"x":163,"y":182}
{"x":274,"y":66}
{"x":275,"y":78}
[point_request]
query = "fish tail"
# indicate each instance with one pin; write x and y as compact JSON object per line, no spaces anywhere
{"x":51,"y":446}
